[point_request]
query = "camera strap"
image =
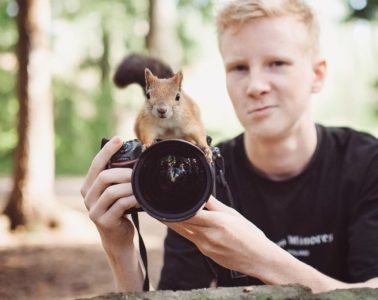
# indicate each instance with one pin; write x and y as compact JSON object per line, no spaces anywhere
{"x":142,"y":250}
{"x":220,"y":177}
{"x":237,"y":278}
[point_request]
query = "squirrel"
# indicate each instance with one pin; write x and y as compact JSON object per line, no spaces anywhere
{"x":168,"y":112}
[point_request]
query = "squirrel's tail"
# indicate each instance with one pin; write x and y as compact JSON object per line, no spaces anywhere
{"x":131,"y":70}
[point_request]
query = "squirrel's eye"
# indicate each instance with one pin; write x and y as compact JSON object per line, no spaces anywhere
{"x":177,"y":97}
{"x":148,"y":96}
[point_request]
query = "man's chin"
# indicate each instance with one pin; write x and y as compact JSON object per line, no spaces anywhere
{"x":264,"y":131}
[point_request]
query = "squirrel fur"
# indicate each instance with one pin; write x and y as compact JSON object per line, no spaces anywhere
{"x":168,"y":112}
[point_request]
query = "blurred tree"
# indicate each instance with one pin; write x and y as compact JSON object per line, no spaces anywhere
{"x":162,"y":39}
{"x":34,"y":159}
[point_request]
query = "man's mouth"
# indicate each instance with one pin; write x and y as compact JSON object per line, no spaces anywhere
{"x":261,"y":109}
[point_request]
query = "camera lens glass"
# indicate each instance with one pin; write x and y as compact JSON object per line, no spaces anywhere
{"x":172,"y":180}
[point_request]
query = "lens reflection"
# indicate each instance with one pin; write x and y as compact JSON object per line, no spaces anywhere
{"x":176,"y":183}
{"x":176,"y":171}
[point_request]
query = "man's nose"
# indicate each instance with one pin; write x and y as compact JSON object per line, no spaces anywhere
{"x":258,"y":84}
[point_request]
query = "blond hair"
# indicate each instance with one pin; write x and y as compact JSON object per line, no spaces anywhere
{"x":235,"y":13}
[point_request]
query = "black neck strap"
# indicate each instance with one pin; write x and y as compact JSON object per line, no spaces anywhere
{"x":142,"y":250}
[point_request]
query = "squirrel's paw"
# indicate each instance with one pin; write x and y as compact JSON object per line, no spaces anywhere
{"x":208,"y":154}
{"x":145,"y":146}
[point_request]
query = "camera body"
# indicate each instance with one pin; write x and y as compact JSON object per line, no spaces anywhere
{"x":126,"y":156}
{"x":172,"y":178}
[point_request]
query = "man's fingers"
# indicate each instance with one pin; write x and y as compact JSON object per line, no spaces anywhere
{"x":100,"y":161}
{"x":117,"y":210}
{"x":202,"y":218}
{"x":210,"y":217}
{"x":181,"y":230}
{"x":215,"y":205}
{"x":111,"y":195}
{"x":103,"y":181}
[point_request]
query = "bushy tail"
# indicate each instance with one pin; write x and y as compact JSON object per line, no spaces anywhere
{"x":131,"y":70}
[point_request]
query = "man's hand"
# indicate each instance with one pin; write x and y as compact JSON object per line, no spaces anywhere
{"x":107,"y":194}
{"x":225,"y":236}
{"x":233,"y":242}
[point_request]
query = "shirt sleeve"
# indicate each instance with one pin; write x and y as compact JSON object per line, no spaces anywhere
{"x":363,"y":230}
{"x":185,"y":267}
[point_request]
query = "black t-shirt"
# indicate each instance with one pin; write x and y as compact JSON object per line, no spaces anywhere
{"x":327,"y":216}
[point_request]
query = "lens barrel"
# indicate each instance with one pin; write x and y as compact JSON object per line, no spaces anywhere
{"x":172,"y":180}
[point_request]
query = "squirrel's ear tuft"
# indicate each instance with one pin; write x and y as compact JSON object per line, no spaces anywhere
{"x":147,"y":72}
{"x":178,"y":79}
{"x":149,"y":77}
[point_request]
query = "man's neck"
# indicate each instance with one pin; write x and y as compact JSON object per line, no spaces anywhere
{"x":285,"y":157}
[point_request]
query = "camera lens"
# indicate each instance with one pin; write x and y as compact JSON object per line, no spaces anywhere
{"x":172,"y":180}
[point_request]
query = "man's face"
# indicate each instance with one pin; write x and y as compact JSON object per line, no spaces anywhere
{"x":271,"y":73}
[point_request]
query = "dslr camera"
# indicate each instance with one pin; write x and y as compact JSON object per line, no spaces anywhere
{"x":171,"y":179}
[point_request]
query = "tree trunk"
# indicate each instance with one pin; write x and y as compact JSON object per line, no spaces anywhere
{"x":162,"y":41}
{"x":33,"y":176}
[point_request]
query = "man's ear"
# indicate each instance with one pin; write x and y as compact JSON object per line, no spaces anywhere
{"x":320,"y":72}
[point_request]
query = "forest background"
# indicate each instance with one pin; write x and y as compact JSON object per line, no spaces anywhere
{"x":57,"y":98}
{"x":87,"y":39}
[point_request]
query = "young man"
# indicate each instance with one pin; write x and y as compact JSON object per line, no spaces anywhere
{"x":306,"y":196}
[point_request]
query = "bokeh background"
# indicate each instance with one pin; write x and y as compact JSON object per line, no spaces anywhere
{"x":57,"y":100}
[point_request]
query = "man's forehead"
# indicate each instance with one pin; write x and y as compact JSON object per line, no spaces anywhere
{"x":275,"y":35}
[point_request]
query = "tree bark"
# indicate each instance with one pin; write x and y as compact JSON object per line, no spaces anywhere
{"x":162,"y":41}
{"x":33,"y":175}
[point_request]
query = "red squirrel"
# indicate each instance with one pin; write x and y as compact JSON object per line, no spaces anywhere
{"x":168,"y":113}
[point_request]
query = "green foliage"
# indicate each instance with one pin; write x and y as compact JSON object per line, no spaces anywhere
{"x":202,"y":7}
{"x":69,"y":140}
{"x":197,"y":14}
{"x":7,"y":25}
{"x":8,"y":114}
{"x":363,"y":9}
{"x":9,"y":104}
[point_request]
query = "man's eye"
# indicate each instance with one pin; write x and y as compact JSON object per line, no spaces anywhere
{"x":278,"y":63}
{"x":239,"y":68}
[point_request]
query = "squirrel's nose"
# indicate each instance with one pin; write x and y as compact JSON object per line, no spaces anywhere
{"x":162,"y":110}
